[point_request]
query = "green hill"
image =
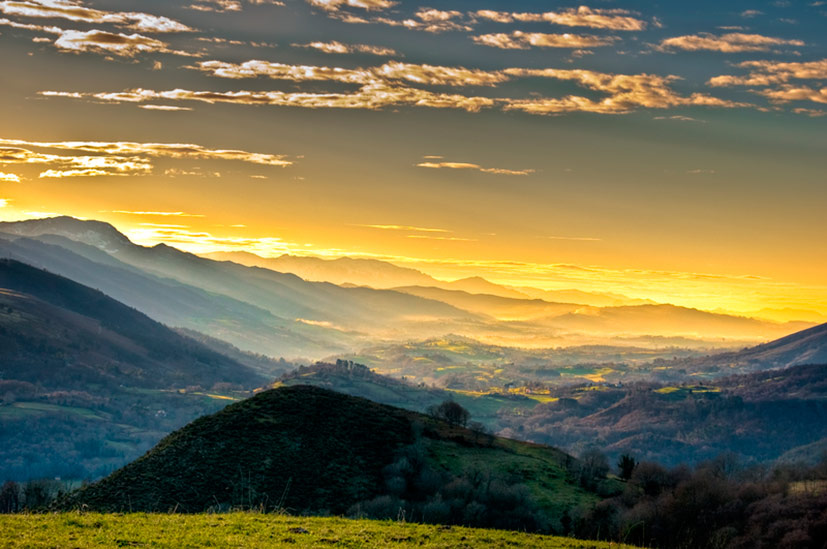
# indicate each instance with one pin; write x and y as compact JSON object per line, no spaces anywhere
{"x":310,"y":450}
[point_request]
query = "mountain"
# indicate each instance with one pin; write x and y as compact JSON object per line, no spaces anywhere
{"x":757,"y":418}
{"x":88,"y":383}
{"x":349,"y":311}
{"x":478,"y":285}
{"x":174,"y":303}
{"x":805,"y":347}
{"x":61,"y":334}
{"x":503,"y":308}
{"x":340,"y":271}
{"x":310,"y":450}
{"x":595,"y":299}
{"x":670,"y":320}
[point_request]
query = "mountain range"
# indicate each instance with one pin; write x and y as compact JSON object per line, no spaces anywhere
{"x":261,"y":310}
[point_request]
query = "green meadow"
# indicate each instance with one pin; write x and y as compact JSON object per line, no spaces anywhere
{"x":246,"y":529}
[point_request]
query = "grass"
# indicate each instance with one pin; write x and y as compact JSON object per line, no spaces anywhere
{"x":244,"y":529}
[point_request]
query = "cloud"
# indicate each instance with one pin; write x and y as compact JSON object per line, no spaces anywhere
{"x":150,"y":213}
{"x":219,"y":6}
{"x":729,"y":43}
{"x":98,"y":41}
{"x":626,"y":92}
{"x":788,"y":93}
{"x":76,"y":11}
{"x":778,"y":80}
{"x":439,"y":75}
{"x":372,"y":97}
{"x":339,"y":47}
{"x":336,"y":5}
{"x":170,"y":150}
{"x":749,"y":14}
{"x":9,"y":177}
{"x":164,"y":108}
{"x":115,"y":158}
{"x":583,"y":16}
{"x":389,"y":85}
{"x":73,"y":166}
{"x":765,"y":73}
{"x":449,"y":238}
{"x":108,"y":42}
{"x":470,"y":166}
{"x":519,"y":40}
{"x":405,"y":228}
{"x":679,"y":117}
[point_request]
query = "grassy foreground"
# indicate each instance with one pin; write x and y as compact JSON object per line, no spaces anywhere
{"x":253,"y":530}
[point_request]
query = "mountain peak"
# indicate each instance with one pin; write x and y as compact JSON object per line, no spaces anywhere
{"x":99,"y":234}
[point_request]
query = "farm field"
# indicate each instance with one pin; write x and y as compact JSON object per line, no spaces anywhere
{"x":250,"y":529}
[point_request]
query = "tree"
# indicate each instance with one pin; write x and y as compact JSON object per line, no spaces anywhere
{"x":451,"y":412}
{"x":10,"y":497}
{"x":626,"y":466}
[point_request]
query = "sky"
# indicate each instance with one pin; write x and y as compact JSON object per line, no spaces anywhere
{"x":661,"y":150}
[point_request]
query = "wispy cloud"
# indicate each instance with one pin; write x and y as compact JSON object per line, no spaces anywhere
{"x":475,"y":167}
{"x":98,"y":41}
{"x":765,"y":73}
{"x":390,"y":85}
{"x":77,"y":11}
{"x":9,"y":177}
{"x":404,"y":228}
{"x":223,"y":6}
{"x":729,"y":43}
{"x":519,"y":40}
{"x":171,"y":150}
{"x":780,"y":81}
{"x":338,"y":47}
{"x":115,"y":158}
{"x":583,"y":16}
{"x":151,"y":213}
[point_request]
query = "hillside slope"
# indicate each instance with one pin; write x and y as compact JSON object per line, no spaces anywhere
{"x":308,"y":449}
{"x":88,"y":383}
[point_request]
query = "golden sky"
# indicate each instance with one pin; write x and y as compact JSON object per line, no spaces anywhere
{"x":649,"y":152}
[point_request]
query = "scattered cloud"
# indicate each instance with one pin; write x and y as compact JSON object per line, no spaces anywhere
{"x":76,"y":11}
{"x":448,"y":238}
{"x":98,"y":41}
{"x":372,"y":97}
{"x":114,"y":158}
{"x":164,"y":108}
{"x":170,"y":150}
{"x":476,"y":167}
{"x":626,"y":92}
{"x":777,"y":80}
{"x":151,"y":213}
{"x":583,"y":16}
{"x":749,"y":14}
{"x":679,"y":117}
{"x":519,"y":40}
{"x":9,"y":177}
{"x":108,"y":42}
{"x":336,"y":5}
{"x":405,"y":228}
{"x":765,"y":73}
{"x":730,"y":43}
{"x":390,"y":85}
{"x":340,"y":48}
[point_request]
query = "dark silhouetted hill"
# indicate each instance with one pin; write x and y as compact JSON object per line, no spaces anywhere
{"x":307,"y":449}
